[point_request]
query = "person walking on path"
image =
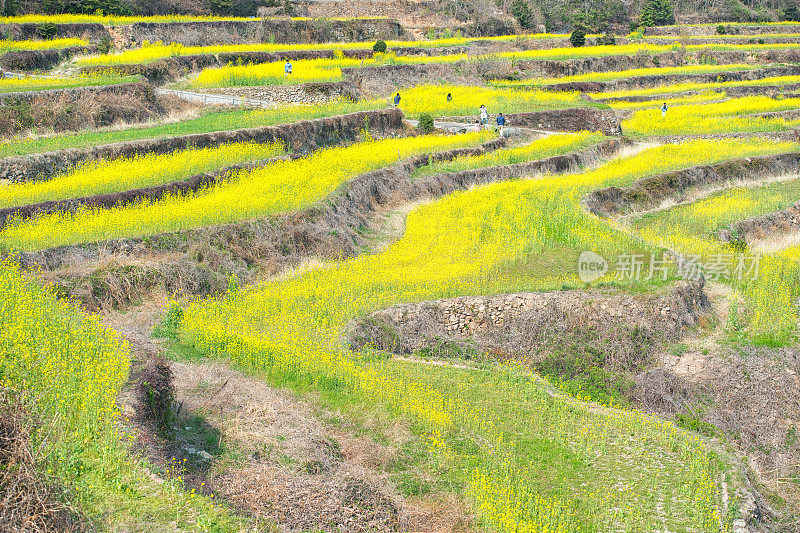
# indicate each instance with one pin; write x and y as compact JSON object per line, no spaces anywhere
{"x":484,"y":116}
{"x":664,"y":109}
{"x":397,"y":99}
{"x":287,"y":68}
{"x":501,"y":122}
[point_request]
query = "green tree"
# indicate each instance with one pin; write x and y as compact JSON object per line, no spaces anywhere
{"x":379,"y":46}
{"x":657,"y":13}
{"x":578,"y":37}
{"x":792,"y":12}
{"x":521,"y":11}
{"x":426,"y":122}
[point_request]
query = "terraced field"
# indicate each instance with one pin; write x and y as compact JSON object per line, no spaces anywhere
{"x":238,"y":296}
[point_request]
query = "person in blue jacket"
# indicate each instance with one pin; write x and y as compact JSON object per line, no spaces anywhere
{"x":501,"y":122}
{"x":397,"y":99}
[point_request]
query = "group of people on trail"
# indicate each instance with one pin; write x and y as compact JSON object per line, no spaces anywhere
{"x":484,"y":120}
{"x":483,"y":113}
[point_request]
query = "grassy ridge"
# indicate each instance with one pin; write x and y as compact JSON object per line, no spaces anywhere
{"x":525,"y":459}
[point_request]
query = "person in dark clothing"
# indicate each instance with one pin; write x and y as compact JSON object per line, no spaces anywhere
{"x":397,"y":99}
{"x":501,"y":122}
{"x":449,"y":97}
{"x":664,"y":109}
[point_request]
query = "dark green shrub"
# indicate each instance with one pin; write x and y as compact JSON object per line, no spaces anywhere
{"x":791,"y":13}
{"x":169,"y":325}
{"x":521,"y":11}
{"x":761,"y":41}
{"x":379,"y":46}
{"x":426,"y":122}
{"x":721,"y":30}
{"x":606,"y":40}
{"x":104,"y":44}
{"x":578,"y":37}
{"x":657,"y":13}
{"x":581,"y":372}
{"x":220,"y":7}
{"x":46,"y":30}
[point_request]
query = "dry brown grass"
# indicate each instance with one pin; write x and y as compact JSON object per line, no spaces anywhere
{"x":29,"y":502}
{"x":66,"y":112}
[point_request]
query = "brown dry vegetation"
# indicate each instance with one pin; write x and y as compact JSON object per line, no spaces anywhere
{"x":29,"y":501}
{"x":66,"y":111}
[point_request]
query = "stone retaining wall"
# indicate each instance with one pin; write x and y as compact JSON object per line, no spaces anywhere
{"x":730,"y":29}
{"x":571,"y":67}
{"x":779,"y":223}
{"x":620,"y":326}
{"x":679,"y":186}
{"x":383,"y":79}
{"x":306,"y":93}
{"x":302,"y":136}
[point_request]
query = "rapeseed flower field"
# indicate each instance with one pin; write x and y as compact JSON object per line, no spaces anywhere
{"x":474,"y":243}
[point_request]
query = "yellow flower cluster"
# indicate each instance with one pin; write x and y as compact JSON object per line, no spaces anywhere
{"x":101,"y":177}
{"x":716,"y":117}
{"x":8,"y":45}
{"x":279,"y":187}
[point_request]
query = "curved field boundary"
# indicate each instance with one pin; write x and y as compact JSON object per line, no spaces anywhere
{"x":782,"y":222}
{"x":330,"y":229}
{"x":170,"y":68}
{"x":647,"y":82}
{"x":679,"y":186}
{"x":302,"y":136}
{"x":118,"y":199}
{"x":731,"y":92}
